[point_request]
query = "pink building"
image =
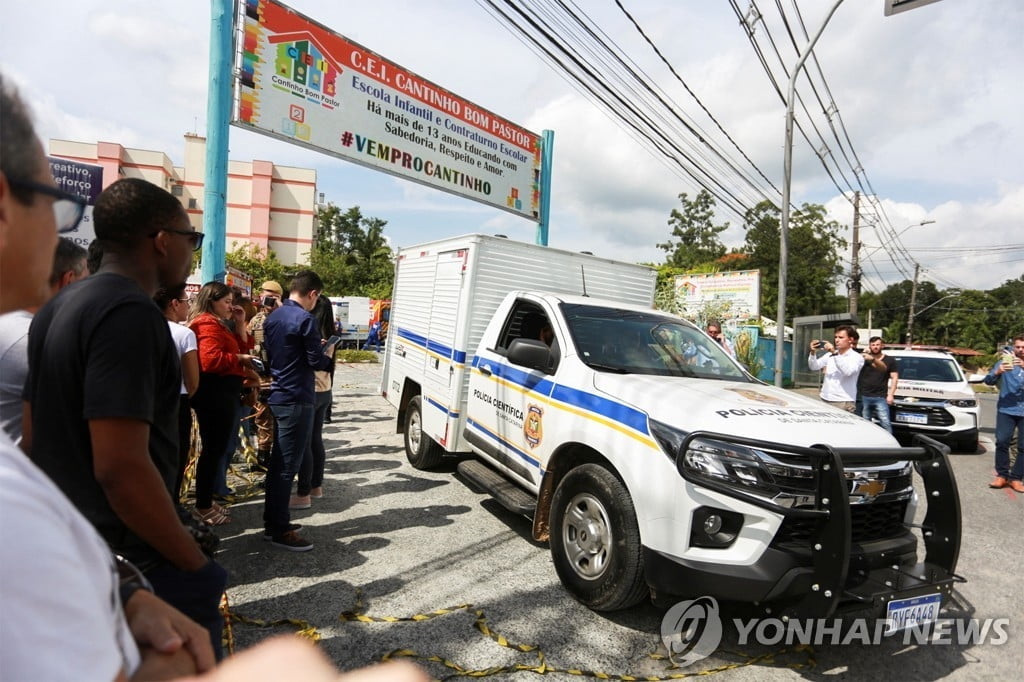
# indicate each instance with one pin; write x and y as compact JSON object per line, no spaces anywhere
{"x":273,"y":207}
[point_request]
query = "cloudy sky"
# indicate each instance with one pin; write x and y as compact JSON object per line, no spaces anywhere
{"x":930,"y":99}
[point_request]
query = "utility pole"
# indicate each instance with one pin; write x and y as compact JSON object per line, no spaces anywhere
{"x":787,"y":182}
{"x":854,"y":257}
{"x":913,"y":299}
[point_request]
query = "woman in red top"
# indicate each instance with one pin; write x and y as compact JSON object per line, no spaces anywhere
{"x":224,"y":362}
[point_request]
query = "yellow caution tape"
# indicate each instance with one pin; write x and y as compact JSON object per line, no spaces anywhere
{"x":542,"y":667}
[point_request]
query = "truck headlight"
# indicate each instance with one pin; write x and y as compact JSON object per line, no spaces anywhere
{"x":964,"y":402}
{"x":725,"y":462}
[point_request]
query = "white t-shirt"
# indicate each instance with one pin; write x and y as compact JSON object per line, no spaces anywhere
{"x":184,"y":341}
{"x":60,"y":610}
{"x":841,"y":372}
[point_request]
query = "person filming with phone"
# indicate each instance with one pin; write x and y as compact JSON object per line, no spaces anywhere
{"x":1008,"y":374}
{"x":840,"y":364}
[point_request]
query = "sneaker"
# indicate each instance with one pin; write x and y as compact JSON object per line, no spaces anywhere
{"x":300,"y":502}
{"x":291,"y":541}
{"x":291,"y":526}
{"x":316,"y":492}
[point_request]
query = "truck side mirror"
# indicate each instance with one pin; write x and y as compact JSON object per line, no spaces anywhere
{"x":529,"y":353}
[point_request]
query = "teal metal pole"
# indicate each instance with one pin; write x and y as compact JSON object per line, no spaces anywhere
{"x":547,"y":148}
{"x":218,"y":117}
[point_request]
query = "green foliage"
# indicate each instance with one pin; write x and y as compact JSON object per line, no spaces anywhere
{"x":697,"y":241}
{"x":351,"y":254}
{"x":982,"y":320}
{"x":746,"y":353}
{"x":353,"y":356}
{"x":813,"y":267}
{"x":259,"y":264}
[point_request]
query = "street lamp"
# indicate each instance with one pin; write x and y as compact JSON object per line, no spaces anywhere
{"x":912,"y":314}
{"x":787,"y":181}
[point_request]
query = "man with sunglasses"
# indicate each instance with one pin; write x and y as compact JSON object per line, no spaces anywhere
{"x":102,"y":417}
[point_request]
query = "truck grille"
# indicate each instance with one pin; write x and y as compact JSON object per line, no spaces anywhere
{"x":868,"y":522}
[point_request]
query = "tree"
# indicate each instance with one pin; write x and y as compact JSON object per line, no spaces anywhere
{"x":814,"y":265}
{"x":351,"y":254}
{"x":259,"y":264}
{"x":696,"y":236}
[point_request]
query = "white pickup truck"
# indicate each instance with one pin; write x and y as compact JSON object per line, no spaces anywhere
{"x":653,"y":463}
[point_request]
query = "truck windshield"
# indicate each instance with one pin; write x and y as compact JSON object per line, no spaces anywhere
{"x":614,"y":340}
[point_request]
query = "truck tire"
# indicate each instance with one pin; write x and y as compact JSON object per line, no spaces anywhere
{"x":595,"y":541}
{"x":420,"y":449}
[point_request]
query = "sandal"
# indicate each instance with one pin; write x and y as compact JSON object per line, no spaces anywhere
{"x":211,"y":517}
{"x":223,"y":510}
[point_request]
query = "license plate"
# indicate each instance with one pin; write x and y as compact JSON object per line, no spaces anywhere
{"x":911,"y":418}
{"x":901,"y":614}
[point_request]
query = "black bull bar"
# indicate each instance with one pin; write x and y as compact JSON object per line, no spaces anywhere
{"x":831,"y":549}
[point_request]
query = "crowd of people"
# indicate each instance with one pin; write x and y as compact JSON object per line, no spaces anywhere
{"x":864,"y":382}
{"x":100,"y":576}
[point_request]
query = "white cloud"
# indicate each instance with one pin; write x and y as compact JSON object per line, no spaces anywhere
{"x":928,"y":98}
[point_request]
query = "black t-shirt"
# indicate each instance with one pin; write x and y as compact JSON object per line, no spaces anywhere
{"x":101,"y":349}
{"x":874,"y":383}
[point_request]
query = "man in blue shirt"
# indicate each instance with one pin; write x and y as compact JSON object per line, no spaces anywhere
{"x":293,"y":343}
{"x":1008,"y":372}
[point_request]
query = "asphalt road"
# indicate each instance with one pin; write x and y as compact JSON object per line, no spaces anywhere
{"x":395,"y":542}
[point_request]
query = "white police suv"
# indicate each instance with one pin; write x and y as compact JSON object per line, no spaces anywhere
{"x":933,"y":397}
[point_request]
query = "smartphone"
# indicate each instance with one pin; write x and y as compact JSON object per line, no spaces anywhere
{"x":269,"y":302}
{"x":258,"y":365}
{"x":333,"y":341}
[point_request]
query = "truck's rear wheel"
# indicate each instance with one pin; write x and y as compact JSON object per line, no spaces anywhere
{"x":420,"y":449}
{"x":595,"y":541}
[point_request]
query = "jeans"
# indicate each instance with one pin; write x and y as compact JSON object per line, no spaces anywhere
{"x":220,"y":484}
{"x":293,"y":429}
{"x":216,"y":406}
{"x":1005,"y":425}
{"x":311,"y":472}
{"x":877,"y":407}
{"x":196,"y":594}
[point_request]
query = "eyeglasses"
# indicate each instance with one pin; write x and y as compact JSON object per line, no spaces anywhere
{"x":195,"y":237}
{"x":68,"y":208}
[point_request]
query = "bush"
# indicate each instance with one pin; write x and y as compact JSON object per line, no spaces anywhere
{"x":356,"y":356}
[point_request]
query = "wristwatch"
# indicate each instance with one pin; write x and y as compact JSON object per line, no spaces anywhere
{"x":131,"y":579}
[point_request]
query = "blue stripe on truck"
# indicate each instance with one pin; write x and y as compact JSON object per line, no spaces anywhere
{"x":458,"y":356}
{"x":589,"y":402}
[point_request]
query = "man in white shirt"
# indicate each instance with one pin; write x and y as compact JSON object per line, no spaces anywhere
{"x":841,"y":366}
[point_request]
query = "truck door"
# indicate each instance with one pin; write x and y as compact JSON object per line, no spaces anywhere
{"x":508,"y":403}
{"x":440,"y":343}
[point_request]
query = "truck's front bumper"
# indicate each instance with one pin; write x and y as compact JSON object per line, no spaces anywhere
{"x":830,"y":574}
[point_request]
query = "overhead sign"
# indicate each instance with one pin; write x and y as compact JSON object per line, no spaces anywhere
{"x":85,"y":180}
{"x":299,"y":81}
{"x":741,"y":288}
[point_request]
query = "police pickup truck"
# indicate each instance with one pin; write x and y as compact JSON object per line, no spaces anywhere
{"x":651,"y":462}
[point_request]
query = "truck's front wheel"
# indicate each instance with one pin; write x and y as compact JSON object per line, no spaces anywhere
{"x":595,"y":541}
{"x":420,"y":449}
